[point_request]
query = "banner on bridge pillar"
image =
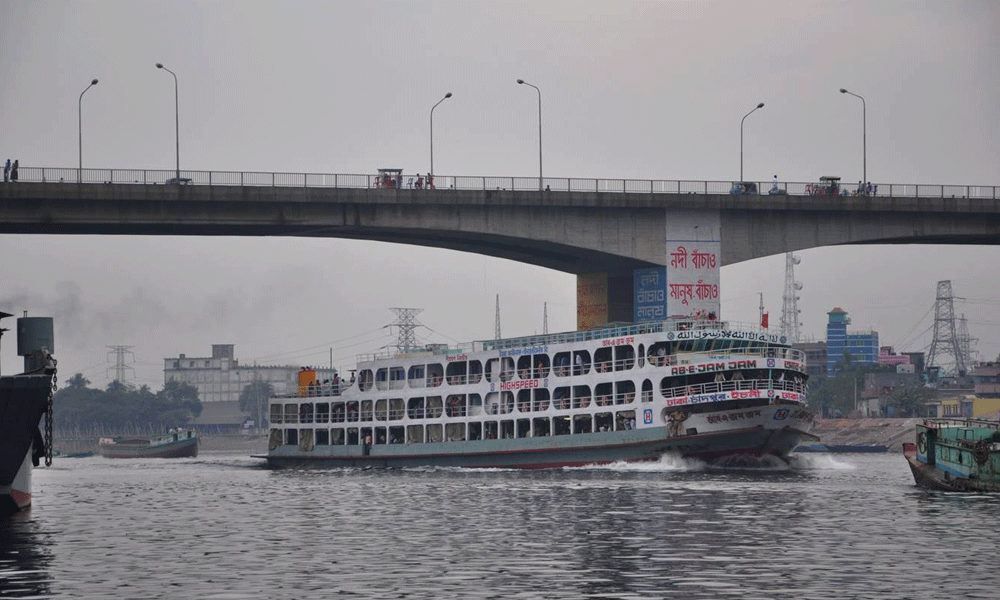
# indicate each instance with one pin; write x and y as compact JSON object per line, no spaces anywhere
{"x":693,"y":260}
{"x":650,"y":287}
{"x":591,"y":300}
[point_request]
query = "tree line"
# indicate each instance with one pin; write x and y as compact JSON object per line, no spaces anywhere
{"x":122,"y":408}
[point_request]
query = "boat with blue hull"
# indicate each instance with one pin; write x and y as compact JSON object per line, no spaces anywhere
{"x":696,"y":388}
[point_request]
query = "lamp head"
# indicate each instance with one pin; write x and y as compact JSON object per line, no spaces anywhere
{"x":94,"y":82}
{"x":520,"y":81}
{"x":843,"y":91}
{"x":761,"y":105}
{"x":159,"y":65}
{"x":448,"y":95}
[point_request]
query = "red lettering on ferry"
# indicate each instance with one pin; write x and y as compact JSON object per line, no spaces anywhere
{"x":519,"y":385}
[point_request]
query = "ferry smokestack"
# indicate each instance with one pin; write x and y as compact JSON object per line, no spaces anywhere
{"x":34,"y":334}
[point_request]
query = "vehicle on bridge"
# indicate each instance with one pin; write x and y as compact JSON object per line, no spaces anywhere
{"x":175,"y":181}
{"x":829,"y":185}
{"x":744,"y":187}
{"x":389,"y":178}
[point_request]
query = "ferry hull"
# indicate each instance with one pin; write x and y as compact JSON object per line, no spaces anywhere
{"x":23,"y":400}
{"x":553,"y":451}
{"x":182,"y":449}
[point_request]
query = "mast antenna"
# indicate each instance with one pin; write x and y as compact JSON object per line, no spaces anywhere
{"x":790,"y":301}
{"x":497,"y":330}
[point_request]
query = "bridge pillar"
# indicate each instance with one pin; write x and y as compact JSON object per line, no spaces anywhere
{"x":603,"y":298}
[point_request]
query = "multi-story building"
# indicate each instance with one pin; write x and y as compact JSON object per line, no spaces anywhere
{"x":221,"y":378}
{"x":861,"y":345}
{"x":815,"y":357}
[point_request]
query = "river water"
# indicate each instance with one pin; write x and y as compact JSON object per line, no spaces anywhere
{"x":222,"y":527}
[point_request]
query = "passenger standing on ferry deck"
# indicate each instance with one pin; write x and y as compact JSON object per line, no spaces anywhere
{"x":578,"y":369}
{"x":368,"y":445}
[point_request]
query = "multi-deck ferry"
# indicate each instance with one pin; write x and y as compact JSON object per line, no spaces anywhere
{"x":696,"y":388}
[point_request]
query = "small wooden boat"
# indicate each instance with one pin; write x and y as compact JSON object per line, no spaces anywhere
{"x":182,"y":443}
{"x":956,"y":455}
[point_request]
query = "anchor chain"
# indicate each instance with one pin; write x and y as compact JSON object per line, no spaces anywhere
{"x":48,"y":420}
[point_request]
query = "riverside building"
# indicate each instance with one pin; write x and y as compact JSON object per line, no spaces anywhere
{"x":862,"y":345}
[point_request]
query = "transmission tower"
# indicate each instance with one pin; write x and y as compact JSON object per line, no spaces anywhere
{"x":120,"y":364}
{"x":790,"y":300}
{"x":497,"y":330}
{"x":966,"y":342}
{"x":946,"y":340}
{"x":545,"y":318}
{"x":406,"y":322}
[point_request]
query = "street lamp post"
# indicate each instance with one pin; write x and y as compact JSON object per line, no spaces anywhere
{"x":523,"y":82}
{"x":761,"y":105}
{"x":177,"y":122}
{"x":446,"y":96}
{"x":864,"y":136}
{"x":79,"y":172}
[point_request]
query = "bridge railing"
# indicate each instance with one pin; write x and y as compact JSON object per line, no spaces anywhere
{"x":442,"y":182}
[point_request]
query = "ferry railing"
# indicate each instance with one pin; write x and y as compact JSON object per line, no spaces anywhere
{"x":738,"y":385}
{"x":504,"y":183}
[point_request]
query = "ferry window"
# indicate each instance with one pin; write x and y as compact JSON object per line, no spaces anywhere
{"x":291,"y":437}
{"x":337,"y":437}
{"x":381,"y":410}
{"x":414,"y":434}
{"x":415,"y":408}
{"x":191,"y":363}
{"x":416,"y":376}
{"x":561,"y":425}
{"x":434,"y":407}
{"x":507,"y":429}
{"x":492,"y":403}
{"x":581,"y":362}
{"x":581,"y":396}
{"x":506,"y":402}
{"x":275,"y":440}
{"x":322,"y":437}
{"x":352,"y":436}
{"x":561,"y":364}
{"x":524,"y":367}
{"x":670,"y":387}
{"x":455,"y":373}
{"x":322,"y":412}
{"x":366,"y":432}
{"x":624,"y":392}
{"x":475,"y":405}
{"x":583,"y":424}
{"x":647,"y":391}
{"x":381,"y":379}
{"x":455,"y":406}
{"x":176,"y":365}
{"x":541,"y":399}
{"x":493,"y":370}
{"x":491,"y":430}
{"x":396,"y":378}
{"x":542,"y":427}
{"x":352,"y":411}
{"x":366,"y":410}
{"x":380,"y":436}
{"x":455,"y":432}
{"x":641,"y":356}
{"x":507,"y":369}
{"x":276,"y":414}
{"x":602,"y":360}
{"x":365,"y":380}
{"x":475,"y":431}
{"x":603,"y":392}
{"x":624,"y":358}
{"x":541,"y":366}
{"x":624,"y":420}
{"x":435,"y":375}
{"x":475,"y":371}
{"x":337,"y":412}
{"x":658,"y":353}
{"x":291,"y":413}
{"x":396,"y":435}
{"x":524,"y":401}
{"x":561,"y":398}
{"x":396,"y":409}
{"x":523,"y":428}
{"x":604,"y":422}
{"x":434,"y":433}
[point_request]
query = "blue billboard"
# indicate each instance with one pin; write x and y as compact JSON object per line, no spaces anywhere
{"x":650,"y":294}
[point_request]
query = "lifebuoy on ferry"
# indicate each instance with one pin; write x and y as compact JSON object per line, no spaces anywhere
{"x":922,"y":442}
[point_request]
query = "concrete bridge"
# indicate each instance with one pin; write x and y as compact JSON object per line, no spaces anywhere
{"x":579,"y":226}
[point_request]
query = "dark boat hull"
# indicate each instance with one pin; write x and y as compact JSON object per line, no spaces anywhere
{"x":23,"y":401}
{"x":556,"y":451}
{"x":181,"y":449}
{"x":926,"y":476}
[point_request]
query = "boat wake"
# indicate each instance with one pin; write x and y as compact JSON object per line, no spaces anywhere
{"x":666,"y":463}
{"x":818,"y":462}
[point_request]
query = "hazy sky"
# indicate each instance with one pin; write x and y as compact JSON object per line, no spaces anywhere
{"x":638,"y":90}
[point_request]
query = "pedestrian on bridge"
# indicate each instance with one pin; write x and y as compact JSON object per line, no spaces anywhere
{"x":6,"y":170}
{"x":13,"y":171}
